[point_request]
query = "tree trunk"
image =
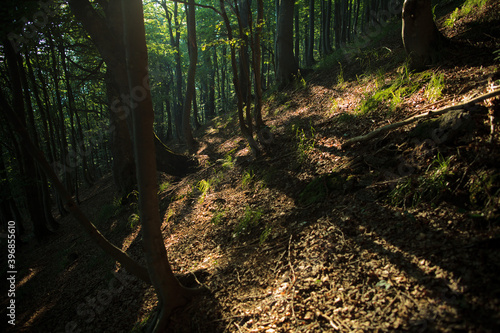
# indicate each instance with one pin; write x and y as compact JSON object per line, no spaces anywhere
{"x":247,"y":133}
{"x":287,"y":67}
{"x":421,"y":38}
{"x":171,"y":293}
{"x":190,"y":88}
{"x":26,"y":163}
{"x":310,"y":37}
{"x":107,"y":36}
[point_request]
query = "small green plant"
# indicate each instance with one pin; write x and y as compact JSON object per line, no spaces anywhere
{"x":134,"y":221}
{"x":435,"y":87}
{"x":340,"y":76}
{"x":229,"y":161}
{"x":380,"y":80}
{"x":169,"y":214}
{"x":334,"y":107}
{"x":305,"y":144}
{"x":264,"y":236}
{"x":467,"y":7}
{"x":109,"y":210}
{"x":497,"y":55}
{"x":218,"y":217}
{"x":203,"y":186}
{"x":431,"y":186}
{"x":163,"y":187}
{"x":249,"y":220}
{"x":247,"y":178}
{"x":393,"y":93}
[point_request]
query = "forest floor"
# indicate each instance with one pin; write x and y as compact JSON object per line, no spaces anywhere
{"x":398,"y":233}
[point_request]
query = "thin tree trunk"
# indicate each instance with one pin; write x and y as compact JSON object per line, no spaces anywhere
{"x":190,"y":89}
{"x":310,"y":39}
{"x":171,"y":293}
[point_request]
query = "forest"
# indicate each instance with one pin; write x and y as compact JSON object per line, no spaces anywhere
{"x":250,"y":165}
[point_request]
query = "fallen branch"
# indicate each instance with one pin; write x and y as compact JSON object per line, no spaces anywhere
{"x":428,"y":114}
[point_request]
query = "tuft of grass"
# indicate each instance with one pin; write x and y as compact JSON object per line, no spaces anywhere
{"x":163,"y":187}
{"x":203,"y":187}
{"x":394,"y":93}
{"x":134,"y":221}
{"x":218,"y":217}
{"x":433,"y":185}
{"x":250,"y":220}
{"x":247,"y":178}
{"x":305,"y":143}
{"x":264,"y":236}
{"x":497,"y":55}
{"x":435,"y":87}
{"x":340,"y":76}
{"x":229,"y":161}
{"x":467,"y":7}
{"x":109,"y":210}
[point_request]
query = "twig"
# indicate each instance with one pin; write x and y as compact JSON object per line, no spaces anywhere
{"x":293,"y":278}
{"x":410,"y":120}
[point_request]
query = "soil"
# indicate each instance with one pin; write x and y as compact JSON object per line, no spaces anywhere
{"x":398,"y":233}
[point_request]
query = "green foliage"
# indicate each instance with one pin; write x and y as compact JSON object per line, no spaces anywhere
{"x":134,"y":220}
{"x":484,"y":193}
{"x":218,"y":217}
{"x":109,"y":210}
{"x":392,"y":94}
{"x":431,"y":186}
{"x":467,"y":7}
{"x":264,"y":236}
{"x":249,"y":221}
{"x":305,"y":142}
{"x":435,"y":87}
{"x":203,"y":186}
{"x":163,"y":187}
{"x":497,"y":55}
{"x":229,"y":161}
{"x":334,"y":107}
{"x":340,"y":76}
{"x":319,"y":188}
{"x":169,"y":214}
{"x":247,"y":178}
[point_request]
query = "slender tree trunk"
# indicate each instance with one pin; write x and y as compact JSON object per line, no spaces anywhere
{"x":107,"y":34}
{"x":247,"y":133}
{"x":171,"y":293}
{"x":310,"y":37}
{"x":27,"y":164}
{"x":190,"y":89}
{"x":297,"y":35}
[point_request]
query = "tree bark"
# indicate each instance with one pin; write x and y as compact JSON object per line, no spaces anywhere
{"x":171,"y":293}
{"x":107,"y":36}
{"x":310,"y":37}
{"x":190,"y":88}
{"x":287,"y":67}
{"x":421,"y":38}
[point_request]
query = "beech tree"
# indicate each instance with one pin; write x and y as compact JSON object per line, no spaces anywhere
{"x":421,"y":38}
{"x":287,"y":65}
{"x":171,"y":293}
{"x":107,"y":34}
